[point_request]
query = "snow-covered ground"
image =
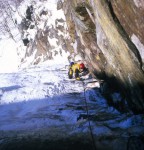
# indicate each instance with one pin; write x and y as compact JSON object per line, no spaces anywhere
{"x":35,"y":98}
{"x":41,"y":99}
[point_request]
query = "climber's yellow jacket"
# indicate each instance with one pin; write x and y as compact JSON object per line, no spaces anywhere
{"x":74,"y":70}
{"x":75,"y":67}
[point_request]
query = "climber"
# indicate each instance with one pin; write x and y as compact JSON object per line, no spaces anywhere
{"x":77,"y":70}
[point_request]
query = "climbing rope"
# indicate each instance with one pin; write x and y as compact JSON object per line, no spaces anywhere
{"x":90,"y":128}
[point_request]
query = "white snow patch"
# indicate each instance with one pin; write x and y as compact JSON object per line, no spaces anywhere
{"x":139,"y":3}
{"x":75,"y":46}
{"x":139,"y":45}
{"x":53,"y":41}
{"x":18,"y":18}
{"x":9,"y":59}
{"x":78,"y":58}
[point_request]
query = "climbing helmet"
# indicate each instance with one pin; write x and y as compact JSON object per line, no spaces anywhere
{"x":82,"y":66}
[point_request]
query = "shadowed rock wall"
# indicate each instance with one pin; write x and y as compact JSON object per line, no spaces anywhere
{"x":109,"y":36}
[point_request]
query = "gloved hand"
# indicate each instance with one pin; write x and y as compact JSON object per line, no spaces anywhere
{"x":78,"y":78}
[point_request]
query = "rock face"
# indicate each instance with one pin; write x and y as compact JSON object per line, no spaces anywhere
{"x":43,"y":31}
{"x":109,"y":35}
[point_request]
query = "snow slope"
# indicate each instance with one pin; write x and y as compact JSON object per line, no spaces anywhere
{"x":42,"y":97}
